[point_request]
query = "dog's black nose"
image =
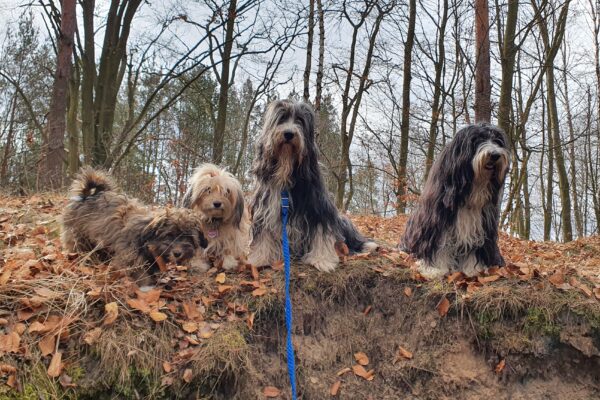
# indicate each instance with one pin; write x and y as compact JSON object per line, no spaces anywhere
{"x":288,"y":135}
{"x":177,"y":254}
{"x":494,"y":156}
{"x":217,"y":204}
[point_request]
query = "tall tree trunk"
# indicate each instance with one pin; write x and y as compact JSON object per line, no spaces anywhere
{"x":72,"y":129}
{"x":483,"y":87}
{"x":548,"y":209}
{"x":309,"y":46}
{"x":88,"y":81}
{"x":9,"y":140}
{"x":437,"y":90}
{"x":319,"y":82}
{"x":563,"y":181}
{"x":405,"y":124}
{"x":52,"y":175}
{"x":219,"y":135}
{"x":572,"y":159}
{"x":509,"y":51}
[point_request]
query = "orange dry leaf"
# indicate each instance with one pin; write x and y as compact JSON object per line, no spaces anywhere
{"x":12,"y":381}
{"x":359,"y":370}
{"x":408,"y":291}
{"x":111,"y":312}
{"x":167,"y":367}
{"x":500,"y":366}
{"x":443,"y":307}
{"x":191,"y":310}
{"x":335,"y":388}
{"x":402,"y":352}
{"x":92,"y":336}
{"x":139,"y":304}
{"x":455,"y":277}
{"x":254,"y":272}
{"x":250,"y":321}
{"x":259,"y":292}
{"x":224,"y":288}
{"x":189,"y":327}
{"x":47,"y":345}
{"x":271,"y":391}
{"x":7,"y":369}
{"x":597,"y":292}
{"x":488,"y":279}
{"x":55,"y":367}
{"x":343,"y":371}
{"x":150,"y":296}
{"x":158,"y":316}
{"x":5,"y":277}
{"x":361,"y":358}
{"x":557,"y":278}
{"x":187,"y":375}
{"x":220,"y":278}
{"x":10,"y":342}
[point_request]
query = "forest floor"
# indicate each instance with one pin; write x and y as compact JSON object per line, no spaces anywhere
{"x":373,"y":329}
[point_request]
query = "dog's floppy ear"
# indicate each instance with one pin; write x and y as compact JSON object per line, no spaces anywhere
{"x":200,"y":239}
{"x":238,"y":210}
{"x":186,"y":201}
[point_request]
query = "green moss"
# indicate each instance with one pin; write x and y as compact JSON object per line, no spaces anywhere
{"x":538,"y":321}
{"x":485,"y":319}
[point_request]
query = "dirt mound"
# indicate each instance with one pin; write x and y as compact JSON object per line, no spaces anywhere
{"x":373,"y":329}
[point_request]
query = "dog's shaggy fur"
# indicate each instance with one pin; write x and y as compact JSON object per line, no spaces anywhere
{"x":286,"y":159}
{"x":455,"y":225}
{"x":218,"y":198}
{"x":122,"y":230}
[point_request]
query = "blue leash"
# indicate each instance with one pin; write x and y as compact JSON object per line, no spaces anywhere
{"x":291,"y":362}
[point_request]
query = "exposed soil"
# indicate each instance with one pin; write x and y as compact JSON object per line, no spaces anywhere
{"x":530,"y":331}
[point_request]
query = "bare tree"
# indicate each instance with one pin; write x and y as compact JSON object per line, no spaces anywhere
{"x":309,"y":46}
{"x":52,"y":173}
{"x":483,"y":85}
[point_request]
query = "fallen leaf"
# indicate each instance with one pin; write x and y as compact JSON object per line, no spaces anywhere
{"x":149,"y":296}
{"x":455,"y":277}
{"x":597,"y":292}
{"x":139,"y":304}
{"x":5,"y":277}
{"x":55,"y":367}
{"x":408,"y":291}
{"x":367,"y":309}
{"x":66,"y":381}
{"x":443,"y":307}
{"x":259,"y":292}
{"x":3,"y":321}
{"x":250,"y":321}
{"x":158,"y":316}
{"x":402,"y":352}
{"x":500,"y":366}
{"x":335,"y":388}
{"x":224,"y":288}
{"x":343,"y":371}
{"x":191,"y":311}
{"x":187,"y":375}
{"x":359,"y":370}
{"x":361,"y":358}
{"x":92,"y":336}
{"x":189,"y":327}
{"x":47,"y":345}
{"x":254,"y":272}
{"x":488,"y":279}
{"x":111,"y":312}
{"x":557,"y":278}
{"x":10,"y":342}
{"x":220,"y":278}
{"x":167,"y":367}
{"x":12,"y":381}
{"x":271,"y":391}
{"x":7,"y":369}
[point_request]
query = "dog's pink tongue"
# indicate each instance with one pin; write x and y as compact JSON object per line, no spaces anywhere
{"x":213,"y":234}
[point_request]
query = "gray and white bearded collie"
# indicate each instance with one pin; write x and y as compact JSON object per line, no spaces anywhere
{"x":120,"y":229}
{"x":216,"y":195}
{"x":455,"y":225}
{"x":286,"y":159}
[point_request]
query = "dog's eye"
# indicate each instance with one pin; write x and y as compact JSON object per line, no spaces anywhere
{"x":227,"y":191}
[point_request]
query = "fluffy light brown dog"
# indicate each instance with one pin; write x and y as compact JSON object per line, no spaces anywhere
{"x":218,"y":198}
{"x":122,"y":230}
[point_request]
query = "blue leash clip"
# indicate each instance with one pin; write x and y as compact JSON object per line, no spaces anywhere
{"x":291,"y":361}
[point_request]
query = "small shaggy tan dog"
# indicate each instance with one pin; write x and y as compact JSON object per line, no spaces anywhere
{"x":218,"y":198}
{"x":120,"y":229}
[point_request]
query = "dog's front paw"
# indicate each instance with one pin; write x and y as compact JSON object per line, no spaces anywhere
{"x":324,"y":266}
{"x":229,"y":262}
{"x":430,"y":272}
{"x":199,"y":264}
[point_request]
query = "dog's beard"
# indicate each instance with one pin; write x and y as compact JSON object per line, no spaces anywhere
{"x":285,"y":163}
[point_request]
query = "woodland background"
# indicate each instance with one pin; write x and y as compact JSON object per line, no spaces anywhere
{"x":151,"y":89}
